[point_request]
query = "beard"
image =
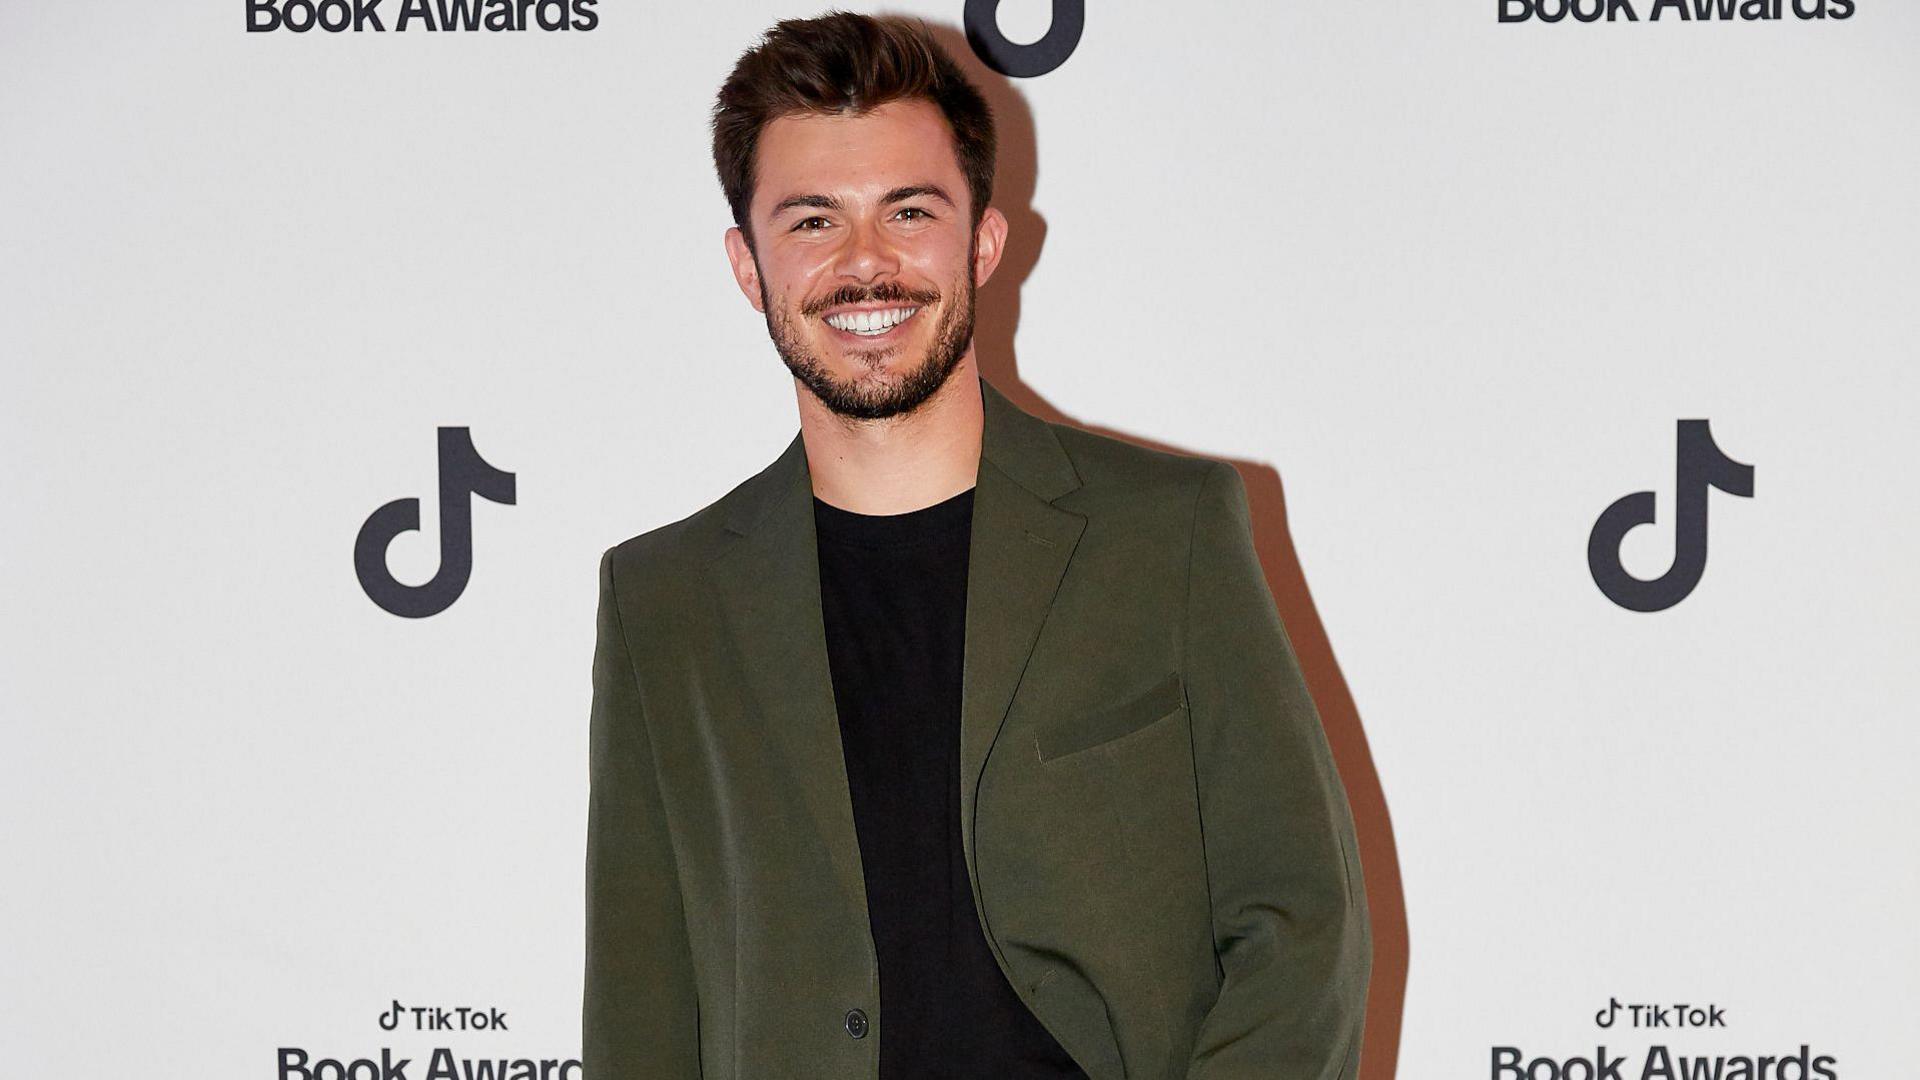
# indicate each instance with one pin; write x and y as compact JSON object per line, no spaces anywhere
{"x":877,"y":398}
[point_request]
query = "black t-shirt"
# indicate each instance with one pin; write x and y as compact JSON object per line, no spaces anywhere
{"x":893,"y":590}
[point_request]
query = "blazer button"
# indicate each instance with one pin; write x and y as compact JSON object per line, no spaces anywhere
{"x":856,"y":1023}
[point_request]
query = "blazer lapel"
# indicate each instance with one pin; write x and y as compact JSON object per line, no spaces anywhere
{"x":768,"y":583}
{"x":1019,"y":553}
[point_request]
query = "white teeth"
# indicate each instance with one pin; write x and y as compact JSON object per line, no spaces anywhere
{"x":870,"y":323}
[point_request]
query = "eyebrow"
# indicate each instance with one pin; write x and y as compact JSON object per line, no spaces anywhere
{"x":829,"y":202}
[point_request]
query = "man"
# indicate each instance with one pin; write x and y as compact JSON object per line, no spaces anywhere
{"x":954,"y":743}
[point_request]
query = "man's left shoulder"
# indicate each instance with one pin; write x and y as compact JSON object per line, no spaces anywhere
{"x":1122,"y":477}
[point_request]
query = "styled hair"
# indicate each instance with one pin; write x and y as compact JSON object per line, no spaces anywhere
{"x":843,"y":62}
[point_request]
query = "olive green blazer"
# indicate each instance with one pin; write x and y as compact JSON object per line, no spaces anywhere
{"x":1160,"y":848}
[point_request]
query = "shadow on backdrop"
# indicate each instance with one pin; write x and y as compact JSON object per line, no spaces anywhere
{"x":997,"y":317}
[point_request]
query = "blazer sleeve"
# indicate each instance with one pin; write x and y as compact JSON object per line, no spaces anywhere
{"x":1290,"y":925}
{"x":640,"y":1010}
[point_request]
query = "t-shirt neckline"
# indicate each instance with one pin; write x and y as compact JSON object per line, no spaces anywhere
{"x":950,"y":515}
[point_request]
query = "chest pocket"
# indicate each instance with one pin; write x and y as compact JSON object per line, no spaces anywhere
{"x":1072,"y":734}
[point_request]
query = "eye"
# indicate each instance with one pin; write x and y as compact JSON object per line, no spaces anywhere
{"x":923,"y":215}
{"x":807,"y":224}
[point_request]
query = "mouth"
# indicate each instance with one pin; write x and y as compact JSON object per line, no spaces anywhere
{"x":867,"y":325}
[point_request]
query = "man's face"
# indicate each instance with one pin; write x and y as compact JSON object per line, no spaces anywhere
{"x":864,"y":260}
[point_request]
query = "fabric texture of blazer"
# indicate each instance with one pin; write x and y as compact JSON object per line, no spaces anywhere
{"x":1160,"y":848}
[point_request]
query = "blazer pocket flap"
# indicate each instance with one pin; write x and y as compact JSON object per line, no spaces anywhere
{"x":1087,"y":730}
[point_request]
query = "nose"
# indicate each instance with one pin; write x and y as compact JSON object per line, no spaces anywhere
{"x":868,"y":253}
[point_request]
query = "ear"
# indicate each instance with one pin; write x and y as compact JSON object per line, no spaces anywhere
{"x":746,"y":271}
{"x":989,"y":242}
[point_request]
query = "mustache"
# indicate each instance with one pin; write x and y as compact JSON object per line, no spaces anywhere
{"x":887,"y":292}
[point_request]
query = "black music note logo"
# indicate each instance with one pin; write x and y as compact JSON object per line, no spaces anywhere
{"x":462,"y":471}
{"x":1024,"y":61}
{"x":1699,"y":465}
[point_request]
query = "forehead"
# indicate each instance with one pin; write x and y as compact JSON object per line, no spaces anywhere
{"x":855,"y":156}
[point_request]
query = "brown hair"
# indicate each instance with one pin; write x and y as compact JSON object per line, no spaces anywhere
{"x":844,"y":62}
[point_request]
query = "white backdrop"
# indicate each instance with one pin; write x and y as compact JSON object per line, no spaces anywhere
{"x":1442,"y":286}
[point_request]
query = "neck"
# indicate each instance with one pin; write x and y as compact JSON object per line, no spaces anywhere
{"x":901,"y":463}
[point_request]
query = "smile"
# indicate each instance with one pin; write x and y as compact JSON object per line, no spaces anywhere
{"x":870,"y":323}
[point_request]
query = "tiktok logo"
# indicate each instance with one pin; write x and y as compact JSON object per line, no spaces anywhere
{"x":1024,"y":61}
{"x":462,"y":472}
{"x":1700,"y":465}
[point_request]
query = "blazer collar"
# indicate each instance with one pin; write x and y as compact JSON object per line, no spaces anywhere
{"x":1017,"y":442}
{"x":768,"y":584}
